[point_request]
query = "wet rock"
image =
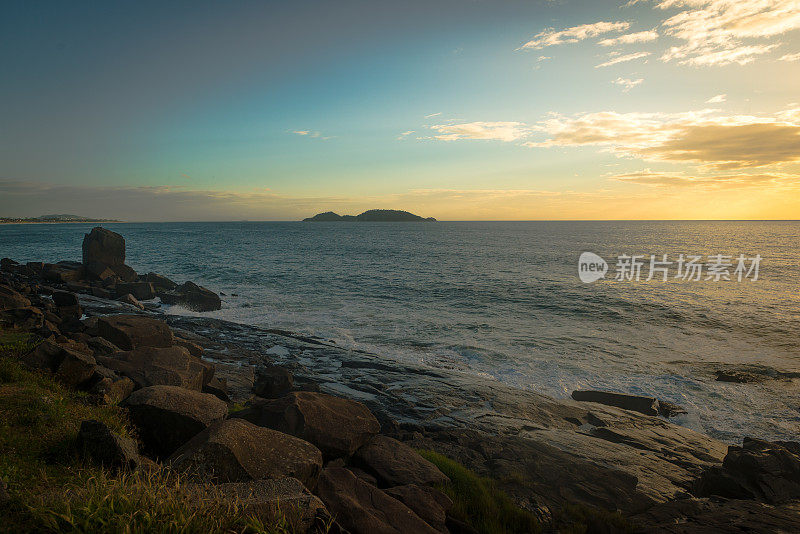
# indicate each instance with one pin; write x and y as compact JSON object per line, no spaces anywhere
{"x":364,"y":509}
{"x":169,"y":416}
{"x":337,"y":426}
{"x":193,"y":348}
{"x":101,"y":293}
{"x":760,"y":470}
{"x":65,"y":298}
{"x":158,"y":366}
{"x":97,"y":270}
{"x":431,"y":505}
{"x":193,"y":297}
{"x":131,"y":331}
{"x":97,"y":442}
{"x":636,"y":403}
{"x":10,"y":299}
{"x":237,"y":451}
{"x":103,"y":246}
{"x":133,"y":301}
{"x":273,"y":382}
{"x":125,"y":273}
{"x":140,"y":290}
{"x":397,"y":464}
{"x":160,"y":283}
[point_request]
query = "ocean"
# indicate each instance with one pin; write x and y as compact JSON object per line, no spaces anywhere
{"x":504,"y":300}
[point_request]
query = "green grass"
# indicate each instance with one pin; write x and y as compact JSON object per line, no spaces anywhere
{"x":53,"y":490}
{"x":479,"y":502}
{"x":580,"y":519}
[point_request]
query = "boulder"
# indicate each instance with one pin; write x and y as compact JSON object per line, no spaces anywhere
{"x":101,"y":346}
{"x":237,"y":451}
{"x":7,"y":264}
{"x":760,"y":470}
{"x":337,"y":426}
{"x":362,"y":508}
{"x":10,"y":299}
{"x":96,"y":270}
{"x":397,"y":464}
{"x":273,"y":382}
{"x":160,"y":283}
{"x":110,"y":391}
{"x":140,"y":290}
{"x":27,"y":318}
{"x":99,"y":292}
{"x":158,"y":366}
{"x":218,"y":387}
{"x":60,"y":273}
{"x":75,"y":368}
{"x":65,"y":298}
{"x":125,"y":273}
{"x":169,"y":416}
{"x":104,"y":246}
{"x":636,"y":403}
{"x":193,"y":297}
{"x":193,"y":348}
{"x":268,"y":500}
{"x":69,"y":313}
{"x":133,"y":301}
{"x":131,"y":331}
{"x":98,"y":443}
{"x":431,"y":505}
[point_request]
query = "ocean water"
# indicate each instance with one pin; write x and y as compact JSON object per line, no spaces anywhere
{"x":503,"y":300}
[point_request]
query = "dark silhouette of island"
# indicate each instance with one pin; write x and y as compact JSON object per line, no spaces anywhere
{"x":370,"y":216}
{"x":55,"y":218}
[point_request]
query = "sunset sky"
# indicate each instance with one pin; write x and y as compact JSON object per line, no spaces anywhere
{"x":460,"y":110}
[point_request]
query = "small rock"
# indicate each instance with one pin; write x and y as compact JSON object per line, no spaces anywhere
{"x":636,"y":403}
{"x":193,"y":297}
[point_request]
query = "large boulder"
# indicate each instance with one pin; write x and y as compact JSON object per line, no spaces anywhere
{"x":237,"y":451}
{"x":268,"y":500}
{"x":104,"y":246}
{"x":105,"y":447}
{"x":169,"y":416}
{"x":273,"y":382}
{"x":397,"y":464}
{"x":760,"y":470}
{"x":65,"y":298}
{"x":337,"y":426}
{"x":430,"y":504}
{"x":160,"y":283}
{"x":158,"y":366}
{"x":71,"y":367}
{"x":194,"y":297}
{"x":636,"y":403}
{"x":10,"y":299}
{"x":362,"y":508}
{"x":140,"y":290}
{"x":26,"y":318}
{"x":131,"y":331}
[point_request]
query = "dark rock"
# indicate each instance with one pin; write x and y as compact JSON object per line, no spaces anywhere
{"x":169,"y":416}
{"x":140,"y":290}
{"x":10,"y":299}
{"x":100,"y":292}
{"x":669,"y":409}
{"x":97,"y":270}
{"x":193,"y":348}
{"x":60,"y":273}
{"x":160,"y":283}
{"x":101,"y":346}
{"x":110,"y":391}
{"x":364,"y":509}
{"x":7,"y":264}
{"x":125,"y":273}
{"x":636,"y":403}
{"x":217,"y":387}
{"x":69,"y":313}
{"x":273,"y":382}
{"x":429,"y":504}
{"x":65,"y":298}
{"x":4,"y":495}
{"x":131,"y":331}
{"x":759,"y":470}
{"x":397,"y":464}
{"x":133,"y":301}
{"x":738,"y":377}
{"x":158,"y":366}
{"x":456,"y":526}
{"x":193,"y":297}
{"x":237,"y":451}
{"x":104,"y":246}
{"x":27,"y":318}
{"x":75,"y":368}
{"x":337,"y":426}
{"x":97,"y":442}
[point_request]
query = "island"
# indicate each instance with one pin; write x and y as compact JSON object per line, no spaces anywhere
{"x":56,"y":218}
{"x":370,"y":216}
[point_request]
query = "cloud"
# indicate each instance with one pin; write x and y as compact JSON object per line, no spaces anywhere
{"x":630,"y":38}
{"x":626,"y":84}
{"x":790,"y":57}
{"x":433,"y":115}
{"x":717,"y":99}
{"x":500,"y":131}
{"x":718,"y":181}
{"x":622,"y":59}
{"x":715,"y":32}
{"x":312,"y":134}
{"x":716,"y":142}
{"x":403,"y":135}
{"x":301,"y":132}
{"x":552,"y":37}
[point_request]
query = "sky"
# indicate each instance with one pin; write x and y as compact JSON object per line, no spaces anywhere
{"x":456,"y":109}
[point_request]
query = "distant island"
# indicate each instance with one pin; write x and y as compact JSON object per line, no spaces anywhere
{"x":370,"y":216}
{"x":55,"y":218}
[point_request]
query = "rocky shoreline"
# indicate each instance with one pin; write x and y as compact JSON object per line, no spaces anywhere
{"x":345,"y":423}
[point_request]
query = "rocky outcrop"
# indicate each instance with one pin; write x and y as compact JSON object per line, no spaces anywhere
{"x":140,"y":290}
{"x":169,"y":416}
{"x":103,"y":246}
{"x":131,"y":331}
{"x":10,"y":299}
{"x":397,"y":464}
{"x":362,"y":508}
{"x":105,"y":447}
{"x":193,"y":297}
{"x":71,"y":367}
{"x":337,"y":426}
{"x":431,"y":505}
{"x":237,"y":451}
{"x":636,"y":403}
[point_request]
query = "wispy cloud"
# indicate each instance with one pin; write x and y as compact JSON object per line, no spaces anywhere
{"x":622,"y":59}
{"x":790,"y":57}
{"x":630,"y":38}
{"x":716,"y":181}
{"x":626,"y":84}
{"x":312,"y":134}
{"x":433,"y":115}
{"x":404,"y":135}
{"x":717,"y":99}
{"x":552,"y":37}
{"x":498,"y":131}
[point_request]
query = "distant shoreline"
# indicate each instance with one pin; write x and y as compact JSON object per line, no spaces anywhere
{"x":60,"y":222}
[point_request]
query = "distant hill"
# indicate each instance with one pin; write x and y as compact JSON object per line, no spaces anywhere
{"x":370,"y":216}
{"x":55,"y":218}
